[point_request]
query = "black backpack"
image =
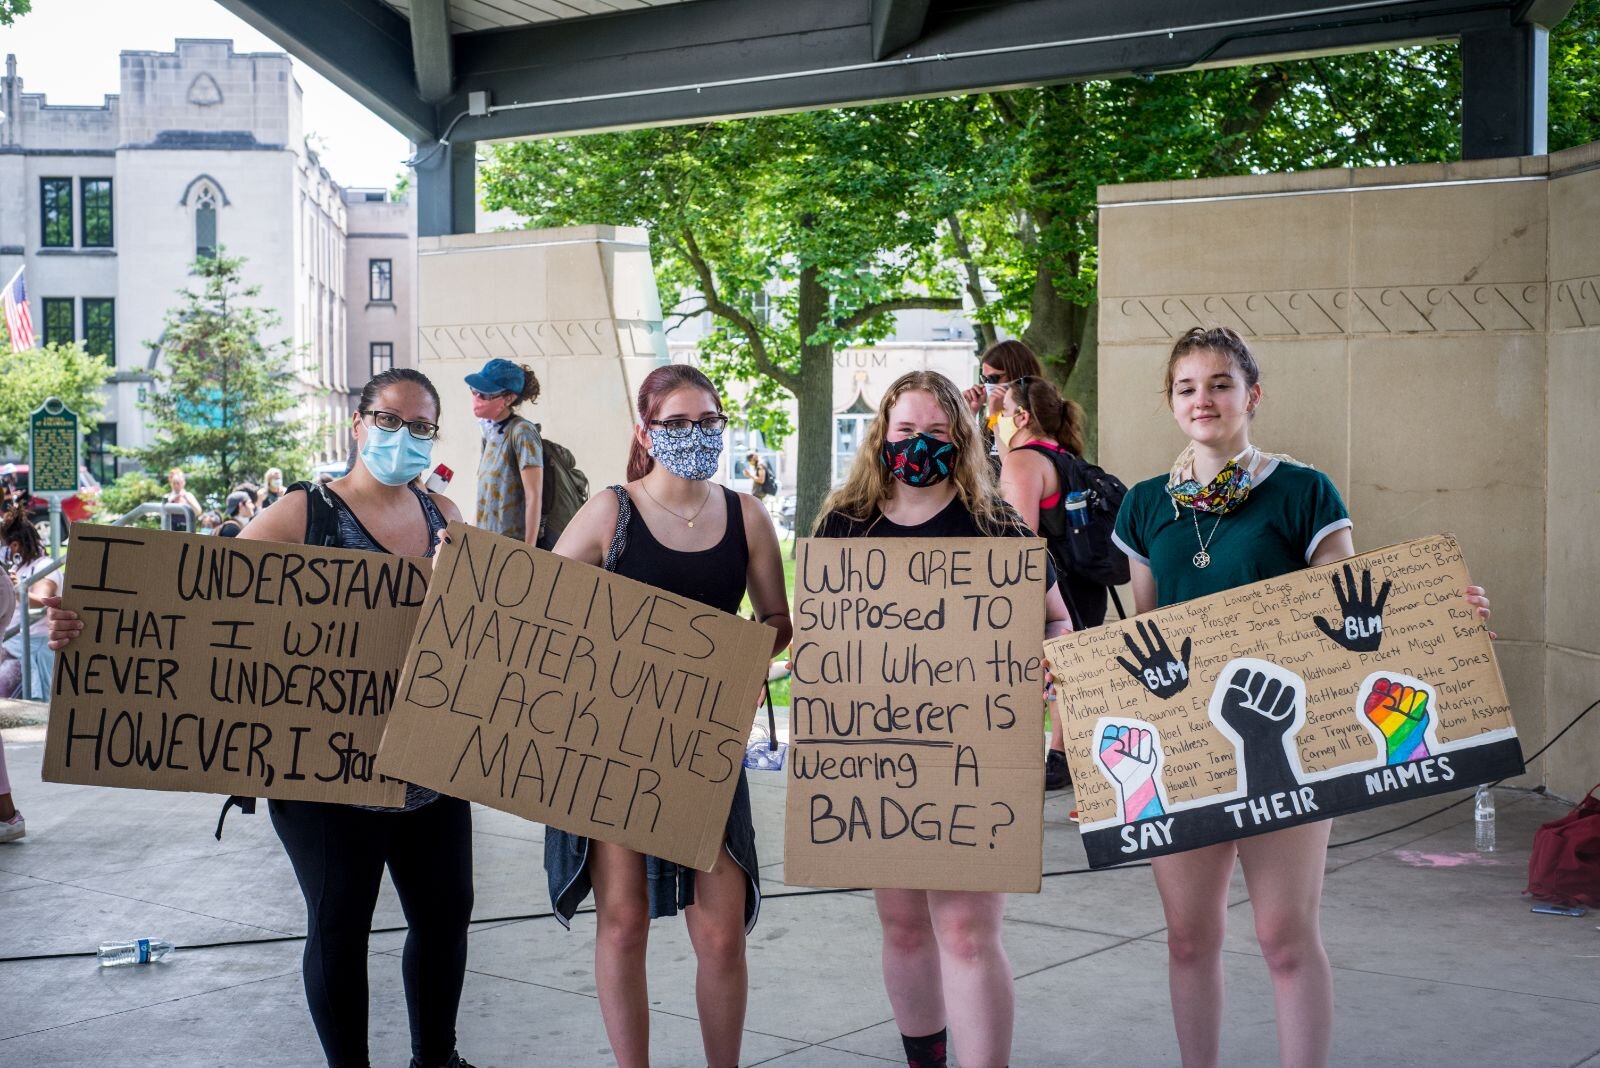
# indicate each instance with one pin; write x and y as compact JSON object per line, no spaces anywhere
{"x":1087,"y":551}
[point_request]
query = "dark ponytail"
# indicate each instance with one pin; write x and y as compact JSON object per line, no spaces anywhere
{"x":530,"y":387}
{"x":1054,"y":415}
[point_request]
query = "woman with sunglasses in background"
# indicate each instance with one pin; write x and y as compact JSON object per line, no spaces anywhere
{"x":671,"y":527}
{"x":339,"y":852}
{"x":1000,"y":365}
{"x":511,"y":460}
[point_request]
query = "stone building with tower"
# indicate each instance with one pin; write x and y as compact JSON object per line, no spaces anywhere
{"x":203,"y":148}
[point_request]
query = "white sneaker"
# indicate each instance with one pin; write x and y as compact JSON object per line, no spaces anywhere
{"x":13,"y":828}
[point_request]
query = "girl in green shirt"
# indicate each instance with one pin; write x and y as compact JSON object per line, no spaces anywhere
{"x":1227,"y":515}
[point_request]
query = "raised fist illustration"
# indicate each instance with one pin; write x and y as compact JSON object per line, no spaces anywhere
{"x":1155,"y":666}
{"x":1261,"y":710}
{"x":1360,"y":624}
{"x":1131,"y":758}
{"x":1400,"y":712}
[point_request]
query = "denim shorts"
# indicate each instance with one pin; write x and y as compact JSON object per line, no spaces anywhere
{"x":671,"y":886}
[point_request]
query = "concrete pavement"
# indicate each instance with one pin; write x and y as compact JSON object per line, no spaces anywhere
{"x":1438,"y":961}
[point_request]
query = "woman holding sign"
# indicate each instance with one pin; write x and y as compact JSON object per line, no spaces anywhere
{"x":674,"y":529}
{"x":922,"y":473}
{"x":339,"y":852}
{"x":1228,"y":515}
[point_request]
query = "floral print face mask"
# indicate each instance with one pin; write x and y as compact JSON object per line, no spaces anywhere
{"x":922,"y":460}
{"x":691,"y":453}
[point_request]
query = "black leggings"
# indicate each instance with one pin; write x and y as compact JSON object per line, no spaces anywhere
{"x":339,"y":853}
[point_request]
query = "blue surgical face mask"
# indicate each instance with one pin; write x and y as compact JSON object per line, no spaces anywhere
{"x":395,"y":457}
{"x":692,"y":453}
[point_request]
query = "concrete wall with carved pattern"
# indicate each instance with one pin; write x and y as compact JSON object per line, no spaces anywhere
{"x":1429,"y":336}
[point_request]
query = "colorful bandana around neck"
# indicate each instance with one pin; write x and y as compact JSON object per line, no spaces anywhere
{"x":1222,"y":494}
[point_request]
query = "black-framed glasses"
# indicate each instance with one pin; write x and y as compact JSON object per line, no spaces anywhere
{"x":714,"y":424}
{"x":992,"y":380}
{"x":487,"y":396}
{"x":420,"y":428}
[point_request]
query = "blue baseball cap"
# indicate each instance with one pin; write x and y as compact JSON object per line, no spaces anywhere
{"x":498,"y":376}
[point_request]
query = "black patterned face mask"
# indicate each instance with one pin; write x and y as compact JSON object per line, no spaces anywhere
{"x":922,"y":460}
{"x":691,"y":453}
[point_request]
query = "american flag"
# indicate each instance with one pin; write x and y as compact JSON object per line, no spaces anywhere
{"x":18,"y":321}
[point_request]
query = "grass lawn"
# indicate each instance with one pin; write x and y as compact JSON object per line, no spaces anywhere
{"x":780,"y":689}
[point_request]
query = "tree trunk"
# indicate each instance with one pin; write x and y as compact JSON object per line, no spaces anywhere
{"x":1084,"y":384}
{"x":815,"y":402}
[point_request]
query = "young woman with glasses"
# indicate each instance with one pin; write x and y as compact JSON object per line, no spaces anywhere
{"x":671,"y":527}
{"x":1000,"y":365}
{"x":339,"y":852}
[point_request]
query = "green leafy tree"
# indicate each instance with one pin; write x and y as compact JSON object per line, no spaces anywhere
{"x":222,"y":403}
{"x":32,"y":376}
{"x":11,"y":9}
{"x":129,"y":490}
{"x":798,"y":234}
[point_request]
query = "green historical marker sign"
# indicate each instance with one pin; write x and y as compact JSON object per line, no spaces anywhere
{"x":53,"y":443}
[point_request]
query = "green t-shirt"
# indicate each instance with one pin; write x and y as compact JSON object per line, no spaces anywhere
{"x":1277,"y":530}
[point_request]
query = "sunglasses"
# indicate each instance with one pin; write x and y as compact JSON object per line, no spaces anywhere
{"x":992,"y":380}
{"x":487,"y":396}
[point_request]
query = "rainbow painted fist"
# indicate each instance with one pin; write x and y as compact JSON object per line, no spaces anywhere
{"x":1131,"y":758}
{"x":1400,"y":713}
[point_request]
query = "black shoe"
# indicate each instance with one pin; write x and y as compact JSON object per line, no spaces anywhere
{"x":1056,"y":776}
{"x":455,"y":1061}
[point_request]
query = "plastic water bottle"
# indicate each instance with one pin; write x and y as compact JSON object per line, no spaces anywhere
{"x":139,"y":951}
{"x":1078,"y":508}
{"x":1483,"y":815}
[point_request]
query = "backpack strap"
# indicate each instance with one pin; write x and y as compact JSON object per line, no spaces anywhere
{"x":322,"y":516}
{"x":619,"y":540}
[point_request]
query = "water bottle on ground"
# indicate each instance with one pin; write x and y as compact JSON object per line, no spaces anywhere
{"x":139,"y":951}
{"x":1483,"y":816}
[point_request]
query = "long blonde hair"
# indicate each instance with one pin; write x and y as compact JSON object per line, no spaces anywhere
{"x":869,"y":482}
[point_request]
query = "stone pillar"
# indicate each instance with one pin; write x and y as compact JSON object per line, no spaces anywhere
{"x":1400,"y":319}
{"x":577,"y":305}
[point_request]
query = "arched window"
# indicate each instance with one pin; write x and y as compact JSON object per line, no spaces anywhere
{"x":205,"y":223}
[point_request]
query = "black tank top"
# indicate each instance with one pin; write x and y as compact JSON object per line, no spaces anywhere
{"x":714,"y":576}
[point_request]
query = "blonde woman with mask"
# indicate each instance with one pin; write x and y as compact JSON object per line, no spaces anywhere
{"x":922,"y":473}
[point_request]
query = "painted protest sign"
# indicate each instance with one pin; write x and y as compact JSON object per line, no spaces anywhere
{"x":228,"y":666}
{"x":916,"y":714}
{"x":1327,"y":691}
{"x":566,"y":694}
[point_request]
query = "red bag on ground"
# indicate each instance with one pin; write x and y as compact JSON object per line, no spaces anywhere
{"x":1565,"y":864}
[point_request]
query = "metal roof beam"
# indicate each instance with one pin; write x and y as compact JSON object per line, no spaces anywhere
{"x":728,"y":58}
{"x":896,"y":24}
{"x":362,"y":46}
{"x":432,"y":49}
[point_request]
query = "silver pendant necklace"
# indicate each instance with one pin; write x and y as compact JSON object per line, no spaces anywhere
{"x":1202,"y":559}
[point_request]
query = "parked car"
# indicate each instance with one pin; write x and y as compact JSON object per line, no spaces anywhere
{"x":15,"y":485}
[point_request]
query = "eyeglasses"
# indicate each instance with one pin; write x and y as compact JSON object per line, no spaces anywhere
{"x":992,"y":380}
{"x":420,"y":428}
{"x":487,"y":396}
{"x":713,"y":424}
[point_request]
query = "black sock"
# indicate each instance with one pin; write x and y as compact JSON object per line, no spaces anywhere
{"x":927,"y":1051}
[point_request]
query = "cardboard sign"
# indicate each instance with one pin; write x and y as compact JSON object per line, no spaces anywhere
{"x":227,"y":666}
{"x":581,"y":699}
{"x":916,"y":714}
{"x":1326,"y":691}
